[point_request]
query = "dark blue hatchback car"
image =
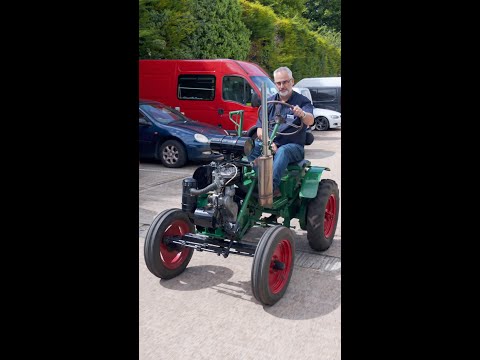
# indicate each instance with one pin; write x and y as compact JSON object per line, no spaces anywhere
{"x":169,"y":136}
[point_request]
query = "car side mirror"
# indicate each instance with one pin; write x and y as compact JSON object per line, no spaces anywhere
{"x":256,"y":100}
{"x":143,"y":121}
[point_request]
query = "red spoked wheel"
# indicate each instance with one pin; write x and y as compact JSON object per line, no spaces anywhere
{"x":167,"y":260}
{"x":273,"y":264}
{"x":329,"y":221}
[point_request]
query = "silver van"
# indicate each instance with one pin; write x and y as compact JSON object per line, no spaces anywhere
{"x":326,"y":92}
{"x":324,"y":118}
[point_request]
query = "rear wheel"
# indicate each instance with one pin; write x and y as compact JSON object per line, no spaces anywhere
{"x":167,"y":260}
{"x":322,"y":215}
{"x":321,"y":123}
{"x":273,"y":264}
{"x":172,"y":154}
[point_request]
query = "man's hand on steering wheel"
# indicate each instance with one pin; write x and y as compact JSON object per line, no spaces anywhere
{"x":298,"y":112}
{"x":259,"y":133}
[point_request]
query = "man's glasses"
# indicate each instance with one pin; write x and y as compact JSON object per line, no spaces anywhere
{"x":284,"y":82}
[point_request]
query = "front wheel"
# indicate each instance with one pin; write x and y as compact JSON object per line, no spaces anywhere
{"x":321,"y":123}
{"x":273,"y":264}
{"x":167,"y":260}
{"x":322,"y":215}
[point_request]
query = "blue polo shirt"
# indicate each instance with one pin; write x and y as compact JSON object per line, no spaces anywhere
{"x":285,"y":111}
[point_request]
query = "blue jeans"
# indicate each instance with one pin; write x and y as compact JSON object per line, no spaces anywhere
{"x":285,"y":155}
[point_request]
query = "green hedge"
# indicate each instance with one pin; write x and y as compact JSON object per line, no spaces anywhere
{"x":235,"y":29}
{"x":288,"y":42}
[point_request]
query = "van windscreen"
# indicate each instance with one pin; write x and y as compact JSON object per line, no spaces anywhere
{"x":271,"y":88}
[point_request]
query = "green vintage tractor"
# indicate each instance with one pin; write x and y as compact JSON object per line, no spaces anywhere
{"x":223,"y":200}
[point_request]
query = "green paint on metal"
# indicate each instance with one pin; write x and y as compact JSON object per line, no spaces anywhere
{"x":202,"y":200}
{"x":310,"y":182}
{"x":239,"y":125}
{"x":302,"y":214}
{"x":243,"y":220}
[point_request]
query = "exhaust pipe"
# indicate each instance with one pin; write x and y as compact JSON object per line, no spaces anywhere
{"x":265,"y":162}
{"x":265,"y":180}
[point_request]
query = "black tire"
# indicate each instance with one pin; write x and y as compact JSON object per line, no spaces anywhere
{"x":165,"y":261}
{"x":322,"y":215}
{"x":269,"y":282}
{"x":321,"y":123}
{"x":172,"y":154}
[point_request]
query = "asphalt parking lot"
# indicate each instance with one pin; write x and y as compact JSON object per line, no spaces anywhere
{"x":209,"y":311}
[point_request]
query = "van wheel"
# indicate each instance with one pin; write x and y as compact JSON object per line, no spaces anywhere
{"x":172,"y":154}
{"x":321,"y":123}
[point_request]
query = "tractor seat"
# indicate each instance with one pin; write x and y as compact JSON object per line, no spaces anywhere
{"x":299,"y":164}
{"x":309,"y":139}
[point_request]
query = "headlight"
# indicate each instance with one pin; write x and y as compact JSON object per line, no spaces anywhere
{"x":335,"y":116}
{"x":201,"y":138}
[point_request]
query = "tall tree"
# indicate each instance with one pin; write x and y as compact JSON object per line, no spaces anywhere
{"x":324,"y":13}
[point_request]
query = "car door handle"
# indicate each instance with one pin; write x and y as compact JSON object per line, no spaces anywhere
{"x":220,"y":111}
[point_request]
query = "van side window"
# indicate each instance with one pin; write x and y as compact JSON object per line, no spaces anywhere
{"x":325,"y":98}
{"x":237,"y":89}
{"x":196,"y":87}
{"x":323,"y":94}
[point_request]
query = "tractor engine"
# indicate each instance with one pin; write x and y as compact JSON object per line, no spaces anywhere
{"x":209,"y":196}
{"x":218,"y":208}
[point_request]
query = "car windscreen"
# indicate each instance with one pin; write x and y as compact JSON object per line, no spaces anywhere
{"x":161,"y":114}
{"x":271,"y":88}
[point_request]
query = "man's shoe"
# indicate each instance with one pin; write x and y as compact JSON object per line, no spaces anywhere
{"x":276,"y":193}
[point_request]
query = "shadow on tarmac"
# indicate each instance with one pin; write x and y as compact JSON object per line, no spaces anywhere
{"x":198,"y":277}
{"x":310,"y":295}
{"x":303,"y":299}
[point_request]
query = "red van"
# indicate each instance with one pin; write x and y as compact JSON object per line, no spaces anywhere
{"x":205,"y":90}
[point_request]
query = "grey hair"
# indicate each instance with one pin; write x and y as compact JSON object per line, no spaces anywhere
{"x":285,"y":69}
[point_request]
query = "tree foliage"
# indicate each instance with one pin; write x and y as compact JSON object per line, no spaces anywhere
{"x":271,"y":33}
{"x":304,"y":51}
{"x":279,"y":41}
{"x":159,"y":24}
{"x":285,"y":8}
{"x":333,"y":37}
{"x":192,"y":29}
{"x":260,"y":20}
{"x":325,"y":13}
{"x":221,"y":33}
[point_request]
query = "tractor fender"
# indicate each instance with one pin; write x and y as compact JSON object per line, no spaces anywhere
{"x":310,"y":182}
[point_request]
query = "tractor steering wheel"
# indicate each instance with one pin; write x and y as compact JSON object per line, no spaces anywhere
{"x":271,"y":125}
